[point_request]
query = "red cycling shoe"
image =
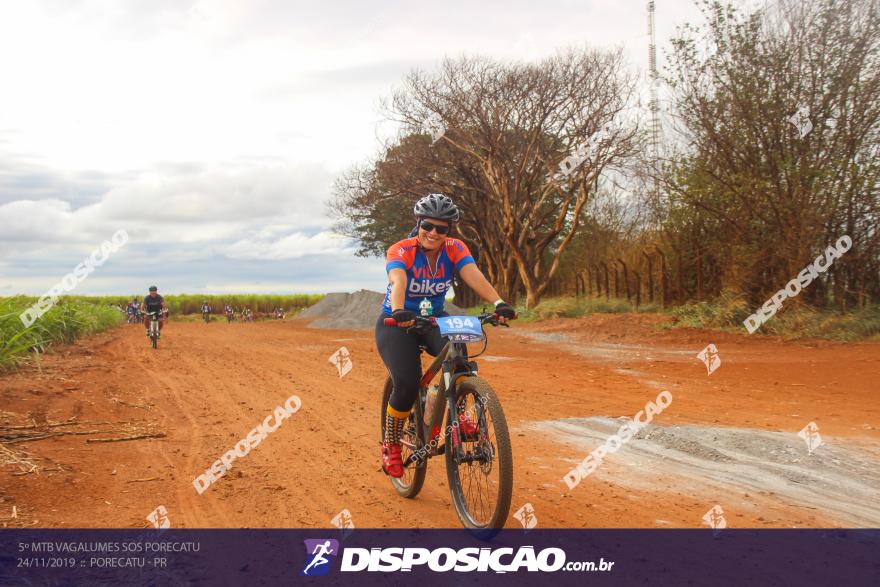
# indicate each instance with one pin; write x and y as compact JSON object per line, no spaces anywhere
{"x":392,"y":464}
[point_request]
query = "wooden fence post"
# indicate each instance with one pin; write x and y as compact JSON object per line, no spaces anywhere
{"x":625,"y":277}
{"x":638,"y":287}
{"x":604,"y":266}
{"x":650,"y":277}
{"x":663,"y":274}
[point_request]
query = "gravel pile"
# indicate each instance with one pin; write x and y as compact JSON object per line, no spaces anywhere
{"x":350,"y":311}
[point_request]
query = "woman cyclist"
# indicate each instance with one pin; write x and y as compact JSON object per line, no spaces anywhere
{"x":420,"y":270}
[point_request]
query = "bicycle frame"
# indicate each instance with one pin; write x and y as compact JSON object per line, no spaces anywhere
{"x":452,"y":362}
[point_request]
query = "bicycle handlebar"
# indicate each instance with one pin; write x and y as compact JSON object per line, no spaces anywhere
{"x":432,"y":321}
{"x":491,"y":317}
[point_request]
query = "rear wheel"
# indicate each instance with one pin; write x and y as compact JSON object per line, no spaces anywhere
{"x":413,"y":473}
{"x":481,"y":480}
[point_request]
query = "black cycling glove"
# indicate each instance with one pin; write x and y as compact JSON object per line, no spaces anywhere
{"x":506,"y":310}
{"x":403,"y":316}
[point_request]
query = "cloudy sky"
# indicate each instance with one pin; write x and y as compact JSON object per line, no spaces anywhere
{"x":211,"y":130}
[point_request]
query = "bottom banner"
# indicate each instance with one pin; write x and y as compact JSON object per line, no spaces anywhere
{"x":438,"y":557}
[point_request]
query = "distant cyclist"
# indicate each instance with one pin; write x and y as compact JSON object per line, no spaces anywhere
{"x":132,"y":310}
{"x":420,"y":270}
{"x":230,"y":313}
{"x":154,"y":303}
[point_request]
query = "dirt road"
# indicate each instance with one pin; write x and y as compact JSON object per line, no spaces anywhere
{"x":727,"y":439}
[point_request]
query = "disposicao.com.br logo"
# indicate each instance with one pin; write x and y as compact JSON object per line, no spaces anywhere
{"x":442,"y":560}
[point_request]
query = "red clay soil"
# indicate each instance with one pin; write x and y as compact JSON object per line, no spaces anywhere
{"x":208,"y":385}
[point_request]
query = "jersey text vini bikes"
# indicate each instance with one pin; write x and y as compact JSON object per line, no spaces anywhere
{"x":423,"y":281}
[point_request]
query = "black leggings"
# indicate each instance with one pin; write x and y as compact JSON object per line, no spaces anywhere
{"x":399,"y":350}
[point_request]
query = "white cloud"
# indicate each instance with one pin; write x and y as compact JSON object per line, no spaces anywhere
{"x":43,"y":220}
{"x":212,"y":129}
{"x":237,"y":193}
{"x":212,"y":204}
{"x":291,"y":246}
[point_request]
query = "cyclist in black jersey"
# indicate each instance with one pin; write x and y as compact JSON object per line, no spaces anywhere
{"x":154,"y":303}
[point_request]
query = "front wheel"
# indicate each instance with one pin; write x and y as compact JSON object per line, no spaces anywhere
{"x":480,"y":473}
{"x":414,"y":473}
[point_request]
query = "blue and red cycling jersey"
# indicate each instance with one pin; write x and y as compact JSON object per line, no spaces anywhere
{"x":423,"y":281}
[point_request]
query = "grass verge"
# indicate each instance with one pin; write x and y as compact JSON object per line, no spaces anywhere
{"x":68,"y":320}
{"x":726,"y":313}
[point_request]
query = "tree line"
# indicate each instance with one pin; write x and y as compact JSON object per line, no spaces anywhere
{"x":769,"y":155}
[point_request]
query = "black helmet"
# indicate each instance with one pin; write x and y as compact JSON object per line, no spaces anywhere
{"x":154,"y":288}
{"x":436,"y":206}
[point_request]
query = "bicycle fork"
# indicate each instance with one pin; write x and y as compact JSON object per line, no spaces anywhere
{"x":453,"y":365}
{"x":449,"y":391}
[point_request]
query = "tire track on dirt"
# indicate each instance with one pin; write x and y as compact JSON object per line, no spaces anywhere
{"x":208,"y":385}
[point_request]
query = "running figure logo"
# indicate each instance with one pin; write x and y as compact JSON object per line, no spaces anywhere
{"x":801,"y":120}
{"x":715,"y":519}
{"x":433,"y":125}
{"x":342,"y":360}
{"x":810,"y":434}
{"x":318,"y":563}
{"x":710,"y":358}
{"x":344,"y":522}
{"x":526,"y":516}
{"x":159,"y":517}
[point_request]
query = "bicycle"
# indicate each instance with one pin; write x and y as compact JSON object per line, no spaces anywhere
{"x":154,"y":328}
{"x":206,"y":316}
{"x":469,"y":459}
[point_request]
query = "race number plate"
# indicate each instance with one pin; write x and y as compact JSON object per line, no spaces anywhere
{"x":461,"y":328}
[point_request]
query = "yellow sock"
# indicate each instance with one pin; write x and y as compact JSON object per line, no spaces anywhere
{"x":394,"y":423}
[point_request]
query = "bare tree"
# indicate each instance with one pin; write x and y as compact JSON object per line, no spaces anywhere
{"x":522,"y":151}
{"x":780,"y":112}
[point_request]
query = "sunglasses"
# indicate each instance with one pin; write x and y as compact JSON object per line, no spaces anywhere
{"x":428,"y":227}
